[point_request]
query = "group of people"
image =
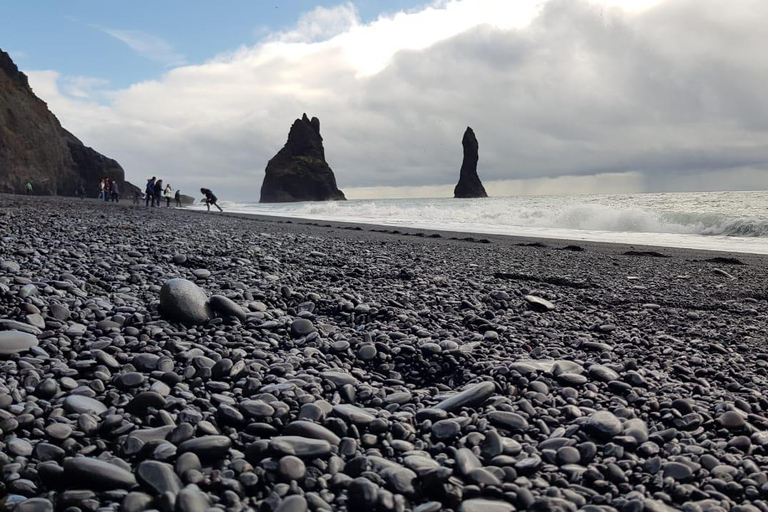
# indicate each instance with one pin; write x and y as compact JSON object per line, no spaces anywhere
{"x":154,"y":193}
{"x":108,"y":190}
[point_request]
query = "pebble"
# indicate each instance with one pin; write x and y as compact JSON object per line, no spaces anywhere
{"x":604,"y":425}
{"x":539,"y":304}
{"x":15,"y":342}
{"x":291,"y":468}
{"x":96,"y":473}
{"x":82,"y":404}
{"x":332,"y":369}
{"x":470,"y":397}
{"x":183,"y":301}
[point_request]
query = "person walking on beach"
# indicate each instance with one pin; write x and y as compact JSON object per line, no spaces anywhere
{"x":136,"y":196}
{"x":210,"y":199}
{"x":101,"y":189}
{"x":168,"y":194}
{"x":158,"y":192}
{"x":81,"y":192}
{"x":178,"y":199}
{"x":107,"y":189}
{"x":149,"y":192}
{"x":28,"y":188}
{"x":115,"y":191}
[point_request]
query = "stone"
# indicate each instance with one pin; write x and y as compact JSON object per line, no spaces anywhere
{"x":353,"y":414}
{"x":299,"y":172}
{"x":484,"y":505}
{"x":603,"y":373}
{"x":158,"y":477}
{"x":539,"y":304}
{"x":300,"y":446}
{"x":136,"y":502}
{"x":82,"y":404}
{"x":362,"y":494}
{"x":302,"y":327}
{"x":678,"y":471}
{"x":224,"y":306}
{"x":308,"y":429}
{"x":469,"y":185}
{"x":192,"y":499}
{"x":142,"y":402}
{"x":603,"y":425}
{"x":183,"y":301}
{"x":291,"y":467}
{"x":16,"y":342}
{"x":96,"y":473}
{"x":400,"y":480}
{"x":732,"y":420}
{"x":207,"y":447}
{"x":472,"y":396}
{"x":34,"y":505}
{"x":257,"y":408}
{"x":294,"y":503}
{"x":508,"y":420}
{"x":445,"y":429}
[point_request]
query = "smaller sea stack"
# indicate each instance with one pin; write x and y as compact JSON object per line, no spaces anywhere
{"x":299,"y":172}
{"x":469,"y":184}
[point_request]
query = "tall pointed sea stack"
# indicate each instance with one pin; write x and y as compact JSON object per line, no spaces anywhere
{"x":35,"y":148}
{"x":469,"y":184}
{"x":299,"y":172}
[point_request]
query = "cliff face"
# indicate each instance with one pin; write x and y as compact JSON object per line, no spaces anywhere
{"x":469,"y":184}
{"x":35,"y":148}
{"x":299,"y":172}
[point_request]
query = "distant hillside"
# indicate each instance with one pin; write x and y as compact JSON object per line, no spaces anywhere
{"x":35,"y":148}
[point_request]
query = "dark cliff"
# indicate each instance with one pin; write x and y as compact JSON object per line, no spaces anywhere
{"x":299,"y":172}
{"x":469,"y":184}
{"x":35,"y":148}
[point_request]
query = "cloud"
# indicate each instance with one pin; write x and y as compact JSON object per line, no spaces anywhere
{"x":636,"y":95}
{"x":83,"y":87}
{"x":321,"y":24}
{"x":147,"y":45}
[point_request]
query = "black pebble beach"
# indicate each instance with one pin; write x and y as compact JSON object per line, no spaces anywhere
{"x":156,"y":359}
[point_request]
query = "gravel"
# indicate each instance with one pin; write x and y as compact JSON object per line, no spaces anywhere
{"x":289,"y":365}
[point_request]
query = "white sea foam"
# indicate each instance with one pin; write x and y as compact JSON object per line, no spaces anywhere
{"x":731,"y":221}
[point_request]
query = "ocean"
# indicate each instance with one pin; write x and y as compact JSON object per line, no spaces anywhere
{"x":722,"y":221}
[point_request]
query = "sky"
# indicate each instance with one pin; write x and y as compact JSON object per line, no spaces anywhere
{"x":565,"y":96}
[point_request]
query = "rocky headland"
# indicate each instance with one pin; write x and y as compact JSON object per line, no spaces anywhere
{"x":299,"y":172}
{"x":469,"y":185}
{"x":35,"y":148}
{"x":275,"y":365}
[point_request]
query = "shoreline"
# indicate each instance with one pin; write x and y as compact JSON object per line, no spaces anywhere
{"x":714,"y":243}
{"x":516,"y":240}
{"x":453,"y":236}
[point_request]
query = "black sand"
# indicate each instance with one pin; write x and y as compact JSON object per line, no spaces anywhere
{"x":328,"y":384}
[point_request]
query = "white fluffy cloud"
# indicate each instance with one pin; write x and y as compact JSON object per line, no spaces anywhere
{"x":625,"y":95}
{"x":147,"y":45}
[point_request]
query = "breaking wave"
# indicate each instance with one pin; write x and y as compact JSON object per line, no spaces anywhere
{"x":498,"y":213}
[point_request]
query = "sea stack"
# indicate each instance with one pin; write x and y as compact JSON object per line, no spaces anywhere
{"x":469,"y":184}
{"x":35,"y":148}
{"x":299,"y":172}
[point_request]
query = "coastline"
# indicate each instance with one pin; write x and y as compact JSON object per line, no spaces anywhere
{"x":501,"y":239}
{"x":361,"y":368}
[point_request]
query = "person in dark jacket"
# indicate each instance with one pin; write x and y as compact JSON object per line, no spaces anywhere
{"x":115,"y":191}
{"x":178,"y":199}
{"x":210,"y":199}
{"x":149,"y":192}
{"x":158,"y":192}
